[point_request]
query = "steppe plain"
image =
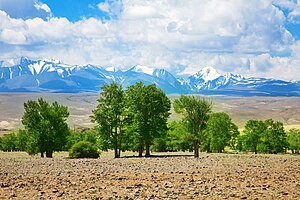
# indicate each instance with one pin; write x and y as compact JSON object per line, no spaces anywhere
{"x":241,"y":109}
{"x":163,"y":176}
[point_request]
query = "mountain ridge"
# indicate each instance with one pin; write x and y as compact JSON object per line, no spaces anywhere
{"x":54,"y":76}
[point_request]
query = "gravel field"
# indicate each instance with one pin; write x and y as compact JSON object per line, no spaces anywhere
{"x":212,"y":176}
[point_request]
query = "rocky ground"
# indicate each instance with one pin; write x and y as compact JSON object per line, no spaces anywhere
{"x":212,"y":176}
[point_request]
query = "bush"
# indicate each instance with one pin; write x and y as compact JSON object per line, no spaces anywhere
{"x":75,"y":137}
{"x":84,"y":149}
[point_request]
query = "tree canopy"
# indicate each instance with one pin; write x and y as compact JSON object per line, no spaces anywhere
{"x":149,"y":110}
{"x":293,"y":138}
{"x":195,"y":111}
{"x":110,"y":115}
{"x":221,"y":132}
{"x":46,"y":126}
{"x":264,"y":136}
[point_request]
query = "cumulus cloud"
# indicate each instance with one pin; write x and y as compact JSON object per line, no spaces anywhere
{"x":293,"y":8}
{"x":112,"y":7}
{"x":236,"y":36}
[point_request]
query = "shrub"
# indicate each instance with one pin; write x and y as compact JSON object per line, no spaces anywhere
{"x":75,"y":137}
{"x":84,"y":149}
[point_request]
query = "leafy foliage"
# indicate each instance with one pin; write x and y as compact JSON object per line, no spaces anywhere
{"x":149,"y":111}
{"x":274,"y":138}
{"x":293,"y":138}
{"x":221,"y":132}
{"x":75,"y":137}
{"x":176,"y":139}
{"x":8,"y":142}
{"x":110,"y":116}
{"x":254,"y":131}
{"x":46,"y":126}
{"x":84,"y":149}
{"x":196,"y":113}
{"x":263,"y":136}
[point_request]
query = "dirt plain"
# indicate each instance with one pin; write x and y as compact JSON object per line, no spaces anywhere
{"x":176,"y":176}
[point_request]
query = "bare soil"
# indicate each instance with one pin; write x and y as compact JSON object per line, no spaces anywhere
{"x":212,"y":176}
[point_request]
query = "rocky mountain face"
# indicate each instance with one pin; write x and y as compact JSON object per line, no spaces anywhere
{"x":54,"y":76}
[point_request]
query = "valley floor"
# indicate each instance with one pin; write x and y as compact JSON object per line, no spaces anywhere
{"x":176,"y":176}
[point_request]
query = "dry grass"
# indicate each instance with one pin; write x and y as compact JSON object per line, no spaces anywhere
{"x":241,"y":109}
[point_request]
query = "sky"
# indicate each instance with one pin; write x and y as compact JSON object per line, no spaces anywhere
{"x":259,"y":38}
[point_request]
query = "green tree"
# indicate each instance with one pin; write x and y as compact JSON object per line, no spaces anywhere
{"x":46,"y":126}
{"x":22,"y":138}
{"x":149,"y":111}
{"x":274,"y":138}
{"x":264,"y":136}
{"x":9,"y":142}
{"x":196,"y":113}
{"x":221,"y":132}
{"x":178,"y":137}
{"x":75,"y":137}
{"x":110,"y":115}
{"x":253,"y":132}
{"x":293,"y":138}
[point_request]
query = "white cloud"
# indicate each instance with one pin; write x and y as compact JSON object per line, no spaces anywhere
{"x":140,"y":12}
{"x":294,"y":16}
{"x":111,"y":7}
{"x":42,"y":6}
{"x":104,"y":6}
{"x":236,"y":36}
{"x":293,"y":7}
{"x":12,"y":37}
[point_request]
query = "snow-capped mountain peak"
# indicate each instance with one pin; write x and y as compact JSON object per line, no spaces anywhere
{"x":208,"y":74}
{"x":52,"y":61}
{"x":143,"y":69}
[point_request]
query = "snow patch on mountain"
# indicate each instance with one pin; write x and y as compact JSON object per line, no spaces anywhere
{"x":111,"y":69}
{"x":37,"y":66}
{"x":208,"y":74}
{"x":142,"y":69}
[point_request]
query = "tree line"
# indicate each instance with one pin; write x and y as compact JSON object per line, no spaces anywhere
{"x":136,"y":119}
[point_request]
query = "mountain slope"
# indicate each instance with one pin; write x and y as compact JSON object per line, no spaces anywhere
{"x":54,"y":76}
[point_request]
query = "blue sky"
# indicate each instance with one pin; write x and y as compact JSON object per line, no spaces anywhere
{"x":75,"y":10}
{"x":251,"y":38}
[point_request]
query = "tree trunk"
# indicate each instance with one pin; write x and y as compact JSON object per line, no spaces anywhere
{"x":196,"y":149}
{"x":293,"y":151}
{"x":140,"y":151}
{"x":255,"y":150}
{"x":117,"y":155}
{"x":147,"y":150}
{"x":42,"y":154}
{"x":49,"y":154}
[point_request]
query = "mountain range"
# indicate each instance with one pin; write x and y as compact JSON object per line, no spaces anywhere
{"x":53,"y":76}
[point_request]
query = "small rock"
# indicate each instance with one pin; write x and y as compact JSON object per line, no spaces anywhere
{"x":60,"y":194}
{"x":55,"y":191}
{"x":138,"y":185}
